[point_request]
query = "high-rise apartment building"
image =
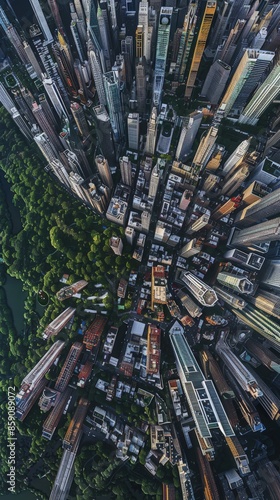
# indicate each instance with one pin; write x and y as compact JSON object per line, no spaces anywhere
{"x":188,"y":134}
{"x":205,"y":26}
{"x":270,"y":275}
{"x":46,"y":147}
{"x":248,"y":260}
{"x":199,"y":223}
{"x":161,"y":52}
{"x":133,"y":130}
{"x":215,"y":82}
{"x":104,"y":170}
{"x":226,"y":208}
{"x":46,"y":126}
{"x":186,"y":41}
{"x":263,"y":354}
{"x":143,"y":21}
{"x":245,"y":79}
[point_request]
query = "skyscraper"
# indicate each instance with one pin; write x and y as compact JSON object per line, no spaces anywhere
{"x":203,"y":293}
{"x":38,"y":12}
{"x":186,"y":40}
{"x":104,"y":133}
{"x":193,"y":382}
{"x":140,"y":77}
{"x":234,"y":180}
{"x":154,"y":181}
{"x":237,"y":369}
{"x":80,"y":119}
{"x":188,"y":134}
{"x":114,"y":104}
{"x":200,"y":45}
{"x":97,"y":73}
{"x":133,"y":130}
{"x":151,"y":133}
{"x":245,"y":79}
{"x":126,"y":172}
{"x":215,"y":82}
{"x":237,"y":156}
{"x":205,"y":148}
{"x":143,"y":20}
{"x":104,"y":170}
{"x":264,"y":208}
{"x":263,"y":97}
{"x":267,"y":302}
{"x":259,"y":233}
{"x":270,"y":275}
{"x":235,"y":282}
{"x":161,"y":52}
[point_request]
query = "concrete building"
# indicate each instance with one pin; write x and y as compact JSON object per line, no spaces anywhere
{"x":38,"y":13}
{"x":126,"y":170}
{"x":234,"y":179}
{"x":270,"y":275}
